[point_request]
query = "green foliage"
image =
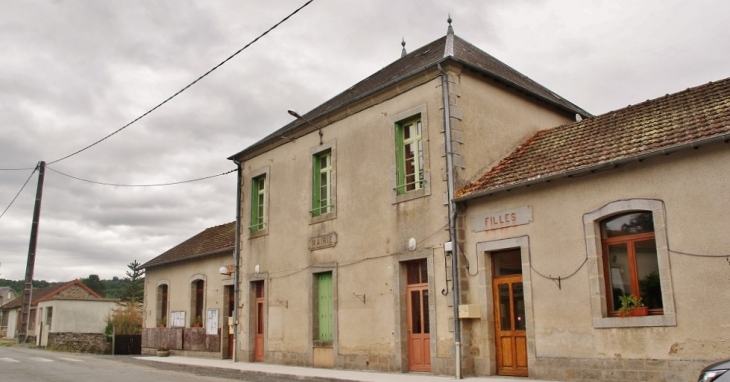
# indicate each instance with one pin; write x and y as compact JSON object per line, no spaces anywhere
{"x":628,"y":303}
{"x":134,"y":288}
{"x":95,"y":284}
{"x":19,"y":285}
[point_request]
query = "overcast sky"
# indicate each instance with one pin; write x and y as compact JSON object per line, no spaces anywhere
{"x":72,"y":72}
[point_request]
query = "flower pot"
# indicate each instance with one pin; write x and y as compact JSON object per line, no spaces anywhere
{"x":161,"y":325}
{"x":197,"y":325}
{"x":639,"y":311}
{"x":163,"y":353}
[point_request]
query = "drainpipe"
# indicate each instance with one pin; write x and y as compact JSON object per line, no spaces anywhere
{"x":236,"y":260}
{"x":452,"y":219}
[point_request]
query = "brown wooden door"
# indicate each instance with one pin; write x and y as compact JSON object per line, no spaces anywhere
{"x":510,"y":334}
{"x":230,"y":308}
{"x":258,"y":347}
{"x":417,"y":300}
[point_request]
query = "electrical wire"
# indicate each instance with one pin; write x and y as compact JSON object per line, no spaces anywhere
{"x":141,"y":185}
{"x":21,"y":190}
{"x":185,"y":88}
{"x":17,"y":169}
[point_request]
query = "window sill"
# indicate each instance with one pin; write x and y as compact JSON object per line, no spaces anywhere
{"x":263,"y":232}
{"x":324,"y":217}
{"x":633,"y":322}
{"x":410,"y":195}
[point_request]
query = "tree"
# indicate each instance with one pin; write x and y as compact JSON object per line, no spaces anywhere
{"x":95,"y":284}
{"x":134,"y":290}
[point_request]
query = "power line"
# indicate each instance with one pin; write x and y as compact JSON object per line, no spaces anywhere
{"x":141,"y":185}
{"x":185,"y":88}
{"x":18,"y":169}
{"x":21,"y":190}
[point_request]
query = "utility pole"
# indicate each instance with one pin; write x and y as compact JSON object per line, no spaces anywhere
{"x":28,"y":290}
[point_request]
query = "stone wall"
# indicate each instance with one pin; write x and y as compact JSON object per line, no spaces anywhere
{"x":186,"y":339}
{"x":639,"y":370}
{"x":79,"y":342}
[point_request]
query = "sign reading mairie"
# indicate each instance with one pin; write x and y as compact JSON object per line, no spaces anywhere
{"x":324,"y":241}
{"x":502,"y":219}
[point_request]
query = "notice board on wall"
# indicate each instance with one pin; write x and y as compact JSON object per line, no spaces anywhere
{"x":211,"y":322}
{"x":177,"y":319}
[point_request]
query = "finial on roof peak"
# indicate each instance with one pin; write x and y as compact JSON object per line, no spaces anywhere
{"x":403,"y":44}
{"x":451,"y":29}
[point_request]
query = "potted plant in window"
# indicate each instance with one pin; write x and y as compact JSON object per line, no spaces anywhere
{"x":631,"y":306}
{"x":162,"y":323}
{"x":197,"y":322}
{"x":163,"y":351}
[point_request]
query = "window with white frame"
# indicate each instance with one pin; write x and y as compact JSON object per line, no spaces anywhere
{"x":409,"y":155}
{"x":322,"y":187}
{"x":258,"y":203}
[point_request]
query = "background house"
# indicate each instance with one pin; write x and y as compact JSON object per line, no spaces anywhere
{"x":344,"y":212}
{"x":634,"y":201}
{"x":67,"y":316}
{"x":183,"y":286}
{"x":7,"y":294}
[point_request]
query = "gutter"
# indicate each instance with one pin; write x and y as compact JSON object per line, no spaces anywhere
{"x":236,"y":259}
{"x":599,"y":167}
{"x":452,"y":219}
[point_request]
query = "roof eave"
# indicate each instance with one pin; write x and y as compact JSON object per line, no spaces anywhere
{"x":597,"y":167}
{"x":147,"y":265}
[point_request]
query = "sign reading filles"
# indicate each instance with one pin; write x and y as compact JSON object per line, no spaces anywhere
{"x":502,"y":219}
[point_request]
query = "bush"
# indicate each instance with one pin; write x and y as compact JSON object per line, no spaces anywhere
{"x":127,"y":319}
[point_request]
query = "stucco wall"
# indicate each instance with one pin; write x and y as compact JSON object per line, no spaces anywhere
{"x":76,"y":316}
{"x":179,"y":276}
{"x":692,"y":188}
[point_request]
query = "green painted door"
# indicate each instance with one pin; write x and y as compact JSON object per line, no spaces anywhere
{"x":325,"y":322}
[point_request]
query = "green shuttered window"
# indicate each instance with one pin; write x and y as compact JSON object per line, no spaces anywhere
{"x":322,"y":183}
{"x":258,"y":203}
{"x":409,"y":155}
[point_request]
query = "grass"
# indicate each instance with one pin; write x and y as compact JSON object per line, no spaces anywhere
{"x":8,"y":341}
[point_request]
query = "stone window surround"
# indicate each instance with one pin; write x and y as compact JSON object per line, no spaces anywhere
{"x":486,"y":300}
{"x":332,"y":147}
{"x":265,"y":231}
{"x":158,"y":307}
{"x":421,"y":110}
{"x":193,"y":279}
{"x":594,"y":251}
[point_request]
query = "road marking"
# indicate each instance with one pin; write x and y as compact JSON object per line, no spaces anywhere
{"x":8,"y":360}
{"x":39,"y":359}
{"x":71,"y":359}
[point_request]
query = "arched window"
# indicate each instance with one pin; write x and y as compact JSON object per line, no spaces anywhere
{"x":630,"y":262}
{"x":197,"y":293}
{"x":162,"y":308}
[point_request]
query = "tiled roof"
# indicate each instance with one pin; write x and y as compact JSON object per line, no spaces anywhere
{"x":212,"y":241}
{"x":685,"y":119}
{"x":416,"y":62}
{"x":37,"y":294}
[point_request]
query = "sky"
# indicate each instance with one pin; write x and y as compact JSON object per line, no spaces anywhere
{"x":72,"y":72}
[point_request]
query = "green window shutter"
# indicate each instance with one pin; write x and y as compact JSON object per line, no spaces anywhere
{"x":400,"y":160}
{"x":324,"y":307}
{"x":316,"y":211}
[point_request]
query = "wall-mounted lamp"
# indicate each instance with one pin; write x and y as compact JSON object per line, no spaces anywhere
{"x":227,"y":270}
{"x":297,"y":116}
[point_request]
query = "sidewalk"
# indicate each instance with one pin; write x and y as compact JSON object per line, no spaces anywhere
{"x":330,"y":374}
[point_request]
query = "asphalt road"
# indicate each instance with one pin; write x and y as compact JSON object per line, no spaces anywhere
{"x":35,"y":365}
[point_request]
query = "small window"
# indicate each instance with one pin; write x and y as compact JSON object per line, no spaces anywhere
{"x":630,"y":260}
{"x":322,"y":201}
{"x":258,"y":203}
{"x":409,"y":156}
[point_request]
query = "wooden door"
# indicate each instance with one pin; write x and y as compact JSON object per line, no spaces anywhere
{"x":230,"y":310}
{"x":510,"y":334}
{"x":417,"y":301}
{"x":259,"y":322}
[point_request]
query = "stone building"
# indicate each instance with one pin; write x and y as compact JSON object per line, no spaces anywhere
{"x":576,"y":218}
{"x":344,"y":212}
{"x":188,"y":296}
